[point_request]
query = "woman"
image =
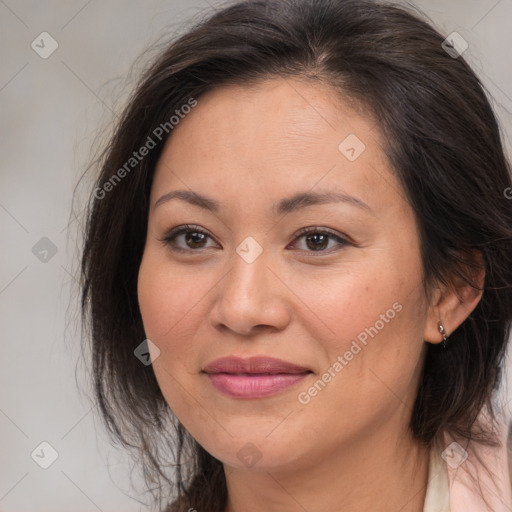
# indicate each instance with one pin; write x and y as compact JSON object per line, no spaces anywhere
{"x":302,"y":222}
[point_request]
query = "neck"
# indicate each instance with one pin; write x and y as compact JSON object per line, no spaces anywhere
{"x":385,"y":473}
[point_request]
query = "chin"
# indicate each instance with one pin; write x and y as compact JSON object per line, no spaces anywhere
{"x":257,"y":453}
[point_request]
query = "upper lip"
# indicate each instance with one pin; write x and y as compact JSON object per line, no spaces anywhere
{"x":255,"y":365}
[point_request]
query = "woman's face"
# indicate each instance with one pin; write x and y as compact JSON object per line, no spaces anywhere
{"x":255,"y":166}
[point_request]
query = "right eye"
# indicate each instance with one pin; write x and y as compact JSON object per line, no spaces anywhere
{"x":187,"y":239}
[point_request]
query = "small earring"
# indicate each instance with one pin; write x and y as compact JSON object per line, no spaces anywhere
{"x":442,"y":330}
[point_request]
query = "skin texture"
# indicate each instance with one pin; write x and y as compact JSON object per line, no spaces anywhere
{"x":247,"y":148}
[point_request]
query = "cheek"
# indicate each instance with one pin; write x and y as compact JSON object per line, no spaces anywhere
{"x":173,"y":303}
{"x":169,"y":298}
{"x":342,"y":307}
{"x":373,"y":319}
{"x":166,"y":303}
{"x":372,"y":364}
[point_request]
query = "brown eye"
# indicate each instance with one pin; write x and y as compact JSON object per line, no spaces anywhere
{"x":318,"y":240}
{"x":194,"y":239}
{"x":187,"y":238}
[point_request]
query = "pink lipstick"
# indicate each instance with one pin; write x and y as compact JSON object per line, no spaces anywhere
{"x":254,"y":377}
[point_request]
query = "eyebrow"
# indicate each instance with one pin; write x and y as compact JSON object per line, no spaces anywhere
{"x":287,"y":205}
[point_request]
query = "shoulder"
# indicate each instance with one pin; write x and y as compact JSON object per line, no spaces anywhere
{"x":509,"y":452}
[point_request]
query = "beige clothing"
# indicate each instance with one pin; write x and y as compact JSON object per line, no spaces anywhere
{"x":458,"y":480}
{"x":437,"y":497}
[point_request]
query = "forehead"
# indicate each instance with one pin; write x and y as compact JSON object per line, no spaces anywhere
{"x":282,"y":134}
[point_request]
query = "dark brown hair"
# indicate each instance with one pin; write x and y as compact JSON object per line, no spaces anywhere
{"x":443,"y":142}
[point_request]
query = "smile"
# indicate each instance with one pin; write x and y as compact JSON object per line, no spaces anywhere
{"x":255,"y":377}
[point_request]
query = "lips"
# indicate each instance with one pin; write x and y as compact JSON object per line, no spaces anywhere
{"x":253,"y":365}
{"x":254,"y":377}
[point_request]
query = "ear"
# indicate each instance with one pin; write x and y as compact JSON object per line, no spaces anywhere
{"x":452,"y":304}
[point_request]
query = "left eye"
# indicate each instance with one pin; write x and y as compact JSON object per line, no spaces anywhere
{"x":317,"y":240}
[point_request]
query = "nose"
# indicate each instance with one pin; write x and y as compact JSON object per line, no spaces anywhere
{"x":250,"y":298}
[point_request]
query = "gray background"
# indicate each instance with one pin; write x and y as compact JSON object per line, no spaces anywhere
{"x":51,"y":110}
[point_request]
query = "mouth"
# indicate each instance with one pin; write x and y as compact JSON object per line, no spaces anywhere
{"x":255,"y":377}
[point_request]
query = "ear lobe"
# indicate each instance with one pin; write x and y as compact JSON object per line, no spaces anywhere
{"x":451,"y":305}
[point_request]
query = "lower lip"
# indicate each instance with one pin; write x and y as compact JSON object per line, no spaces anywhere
{"x":253,"y":386}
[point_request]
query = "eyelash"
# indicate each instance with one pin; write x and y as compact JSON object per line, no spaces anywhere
{"x":170,"y":237}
